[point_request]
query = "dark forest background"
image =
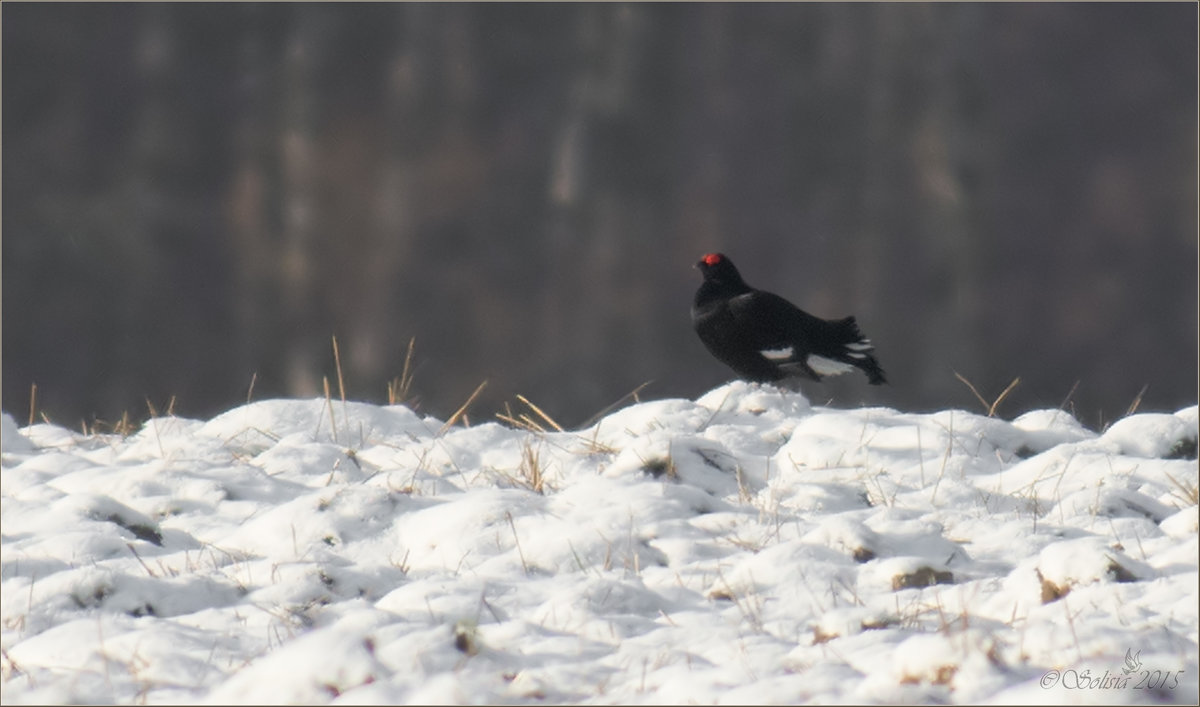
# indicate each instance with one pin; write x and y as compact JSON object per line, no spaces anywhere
{"x":199,"y":194}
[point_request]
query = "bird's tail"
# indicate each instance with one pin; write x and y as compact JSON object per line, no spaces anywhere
{"x":857,"y":350}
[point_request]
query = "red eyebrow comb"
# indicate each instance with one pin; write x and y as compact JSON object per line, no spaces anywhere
{"x":712,"y":258}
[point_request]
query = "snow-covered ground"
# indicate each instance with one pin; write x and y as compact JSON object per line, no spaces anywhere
{"x":742,"y":548}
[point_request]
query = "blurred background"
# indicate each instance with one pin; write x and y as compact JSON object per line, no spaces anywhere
{"x":196,"y":196}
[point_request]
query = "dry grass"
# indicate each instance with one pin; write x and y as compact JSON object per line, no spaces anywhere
{"x":531,"y":472}
{"x":517,"y":540}
{"x":923,"y":576}
{"x":526,"y":422}
{"x":750,"y":605}
{"x":399,"y":390}
{"x":337,"y":363}
{"x":631,"y":395}
{"x":328,"y":404}
{"x":539,"y":422}
{"x":1190,"y":493}
{"x":341,"y":381}
{"x":1137,"y":401}
{"x":170,"y":411}
{"x":466,"y":637}
{"x":1067,"y":400}
{"x":595,"y":446}
{"x":660,"y":466}
{"x":123,"y":427}
{"x":531,"y":468}
{"x":990,"y":408}
{"x":461,"y":412}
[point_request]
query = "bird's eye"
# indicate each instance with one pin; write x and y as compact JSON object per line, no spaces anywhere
{"x":712,"y":258}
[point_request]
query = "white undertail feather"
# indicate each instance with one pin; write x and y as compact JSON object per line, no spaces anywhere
{"x":864,"y":345}
{"x":828,"y":366}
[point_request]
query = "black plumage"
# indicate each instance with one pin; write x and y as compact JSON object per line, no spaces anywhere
{"x":764,"y":338}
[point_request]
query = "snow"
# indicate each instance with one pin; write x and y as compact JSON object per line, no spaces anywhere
{"x":746,"y":547}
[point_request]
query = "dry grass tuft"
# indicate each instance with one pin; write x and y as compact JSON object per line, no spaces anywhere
{"x":921,"y":577}
{"x":461,"y":412}
{"x":1189,"y":493}
{"x":466,"y":637}
{"x":399,"y":390}
{"x":531,"y":469}
{"x":990,"y":408}
{"x":525,"y":422}
{"x":660,"y":466}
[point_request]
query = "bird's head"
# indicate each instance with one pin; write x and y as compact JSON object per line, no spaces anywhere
{"x":719,"y":268}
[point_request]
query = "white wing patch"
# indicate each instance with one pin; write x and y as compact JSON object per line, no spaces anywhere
{"x":864,"y":345}
{"x":827,"y":366}
{"x":778,"y":354}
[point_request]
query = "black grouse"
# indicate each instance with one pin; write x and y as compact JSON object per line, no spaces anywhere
{"x":766,"y":339}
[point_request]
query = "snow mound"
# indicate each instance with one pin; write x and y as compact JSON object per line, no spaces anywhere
{"x":1154,"y":436}
{"x":745,"y":547}
{"x":11,"y":439}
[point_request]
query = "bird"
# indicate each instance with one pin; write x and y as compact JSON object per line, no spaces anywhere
{"x":766,"y":339}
